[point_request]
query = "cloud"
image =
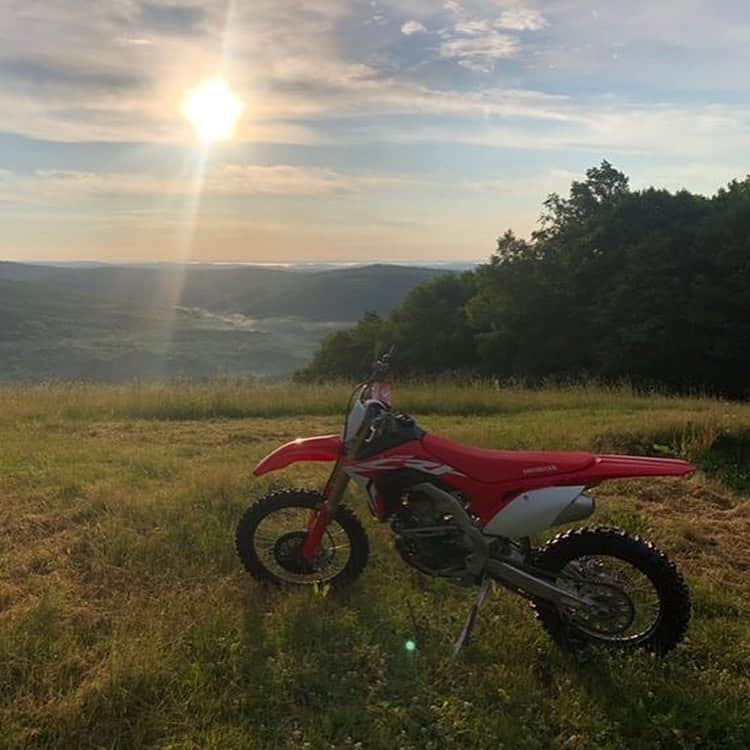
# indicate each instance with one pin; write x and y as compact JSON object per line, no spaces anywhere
{"x":135,"y":41}
{"x":604,"y":127}
{"x":62,"y":186}
{"x":521,"y":19}
{"x":472,"y":27}
{"x":550,"y":181}
{"x":479,"y":51}
{"x":474,"y":41}
{"x":47,"y":73}
{"x":172,"y":19}
{"x":283,"y":179}
{"x":87,"y":77}
{"x":413,"y":27}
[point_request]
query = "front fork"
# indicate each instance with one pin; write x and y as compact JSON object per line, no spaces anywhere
{"x":319,"y":518}
{"x":334,"y":492}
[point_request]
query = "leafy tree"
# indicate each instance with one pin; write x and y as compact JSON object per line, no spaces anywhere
{"x":431,"y":331}
{"x":648,"y":286}
{"x":348,"y":354}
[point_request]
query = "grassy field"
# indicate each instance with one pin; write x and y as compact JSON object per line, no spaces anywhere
{"x":126,"y":620}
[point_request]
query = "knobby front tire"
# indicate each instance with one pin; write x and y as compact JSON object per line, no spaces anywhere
{"x":601,"y":542}
{"x":280,"y":567}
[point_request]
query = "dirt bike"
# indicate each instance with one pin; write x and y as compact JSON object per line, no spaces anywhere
{"x":467,"y":514}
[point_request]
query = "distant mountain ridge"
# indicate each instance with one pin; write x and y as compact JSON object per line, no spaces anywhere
{"x":341,"y":294}
{"x":302,"y":266}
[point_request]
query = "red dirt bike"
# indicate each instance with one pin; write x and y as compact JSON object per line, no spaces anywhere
{"x":467,"y":514}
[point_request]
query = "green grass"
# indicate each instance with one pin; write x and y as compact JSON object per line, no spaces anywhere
{"x":242,"y":399}
{"x":126,"y":620}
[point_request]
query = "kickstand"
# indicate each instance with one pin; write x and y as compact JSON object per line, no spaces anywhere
{"x":465,"y":637}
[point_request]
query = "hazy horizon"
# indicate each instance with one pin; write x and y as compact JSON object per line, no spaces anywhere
{"x":436,"y":263}
{"x":358,"y":130}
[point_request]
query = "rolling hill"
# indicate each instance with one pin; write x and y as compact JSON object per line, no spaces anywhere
{"x":115,"y":323}
{"x":341,"y":294}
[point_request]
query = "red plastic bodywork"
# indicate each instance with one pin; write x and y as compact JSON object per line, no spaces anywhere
{"x":491,"y":465}
{"x":488,"y":479}
{"x":320,"y":448}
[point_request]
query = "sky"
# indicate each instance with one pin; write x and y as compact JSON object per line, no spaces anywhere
{"x":370,"y":130}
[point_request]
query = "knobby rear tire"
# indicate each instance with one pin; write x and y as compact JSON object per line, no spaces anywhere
{"x":673,"y":594}
{"x":300,"y":498}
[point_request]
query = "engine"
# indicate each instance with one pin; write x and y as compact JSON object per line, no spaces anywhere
{"x":429,"y":539}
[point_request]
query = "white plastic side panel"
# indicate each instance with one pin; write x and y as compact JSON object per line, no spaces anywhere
{"x":532,"y":511}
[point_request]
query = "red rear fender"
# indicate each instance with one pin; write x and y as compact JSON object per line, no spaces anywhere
{"x":320,"y":448}
{"x":621,"y":467}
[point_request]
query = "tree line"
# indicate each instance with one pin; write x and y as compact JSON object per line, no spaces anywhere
{"x":647,"y":287}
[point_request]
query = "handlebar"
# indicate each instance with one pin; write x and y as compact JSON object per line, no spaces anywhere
{"x":381,"y":367}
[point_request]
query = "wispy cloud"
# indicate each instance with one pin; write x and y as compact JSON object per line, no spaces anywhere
{"x":172,"y":19}
{"x":609,"y":128}
{"x":521,"y":19}
{"x":472,"y":27}
{"x":45,"y":73}
{"x":479,"y":42}
{"x":66,"y":186}
{"x":413,"y":27}
{"x":135,"y":41}
{"x":479,"y":51}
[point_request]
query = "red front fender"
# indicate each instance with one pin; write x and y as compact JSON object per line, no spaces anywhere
{"x":320,"y":448}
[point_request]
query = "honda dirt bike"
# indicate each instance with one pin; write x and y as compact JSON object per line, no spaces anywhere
{"x":467,"y":514}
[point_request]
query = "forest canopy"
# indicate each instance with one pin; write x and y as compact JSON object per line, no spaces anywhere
{"x":647,"y":287}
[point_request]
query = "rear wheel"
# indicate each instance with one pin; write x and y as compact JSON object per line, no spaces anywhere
{"x":639,"y":599}
{"x":272,"y":532}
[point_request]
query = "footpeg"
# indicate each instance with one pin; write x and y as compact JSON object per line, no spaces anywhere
{"x":465,"y":637}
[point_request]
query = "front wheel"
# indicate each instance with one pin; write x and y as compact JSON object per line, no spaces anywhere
{"x":272,"y":532}
{"x":638,"y":598}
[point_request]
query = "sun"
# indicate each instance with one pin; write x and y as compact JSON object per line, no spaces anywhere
{"x":213,"y":110}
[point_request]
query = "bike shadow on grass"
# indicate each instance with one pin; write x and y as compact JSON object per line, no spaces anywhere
{"x":333,"y":657}
{"x":331,"y":662}
{"x":656,"y":702}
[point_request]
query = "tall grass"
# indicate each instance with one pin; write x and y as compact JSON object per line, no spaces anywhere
{"x":241,"y":399}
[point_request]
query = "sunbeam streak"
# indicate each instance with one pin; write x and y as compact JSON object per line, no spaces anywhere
{"x":214,"y":111}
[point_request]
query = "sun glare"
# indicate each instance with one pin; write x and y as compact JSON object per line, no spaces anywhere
{"x":213,"y":110}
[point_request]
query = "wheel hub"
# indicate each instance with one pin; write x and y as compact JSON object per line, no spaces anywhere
{"x":610,"y":611}
{"x":288,"y":552}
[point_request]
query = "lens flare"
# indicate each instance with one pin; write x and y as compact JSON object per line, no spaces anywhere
{"x":410,"y":646}
{"x":213,"y":110}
